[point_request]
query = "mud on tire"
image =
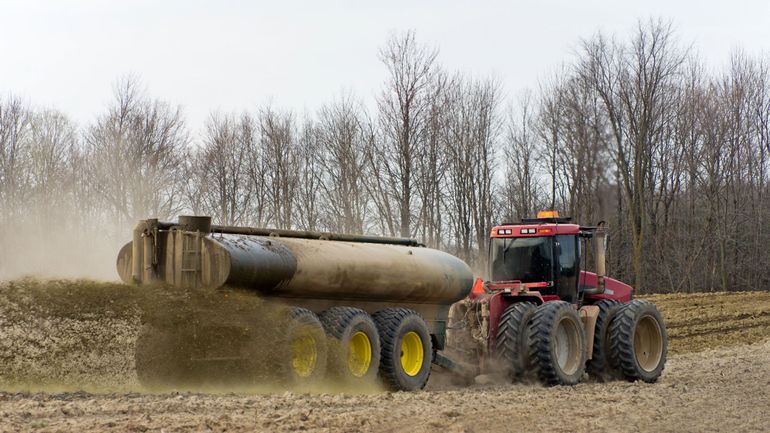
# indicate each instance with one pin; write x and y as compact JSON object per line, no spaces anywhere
{"x":356,"y":355}
{"x":406,"y":349}
{"x":599,"y":366}
{"x":557,"y":344}
{"x":638,"y":341}
{"x":512,"y":345}
{"x":303,"y":355}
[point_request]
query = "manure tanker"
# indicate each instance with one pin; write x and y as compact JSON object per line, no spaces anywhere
{"x":359,"y":307}
{"x":363,"y":308}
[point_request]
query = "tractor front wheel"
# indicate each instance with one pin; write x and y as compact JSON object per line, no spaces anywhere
{"x":512,"y":339}
{"x":557,"y":344}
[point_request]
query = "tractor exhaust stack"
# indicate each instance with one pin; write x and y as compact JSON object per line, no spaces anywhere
{"x":600,"y":253}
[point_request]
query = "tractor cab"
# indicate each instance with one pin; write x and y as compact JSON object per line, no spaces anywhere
{"x":548,"y":254}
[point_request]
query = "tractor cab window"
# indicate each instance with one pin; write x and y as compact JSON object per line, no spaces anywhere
{"x":567,"y":266}
{"x":525,"y":259}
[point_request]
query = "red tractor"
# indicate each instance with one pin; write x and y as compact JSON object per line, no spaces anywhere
{"x":542,"y":313}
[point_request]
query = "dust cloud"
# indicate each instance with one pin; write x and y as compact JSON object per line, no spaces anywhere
{"x":84,"y":335}
{"x":68,"y":324}
{"x":29,"y":248}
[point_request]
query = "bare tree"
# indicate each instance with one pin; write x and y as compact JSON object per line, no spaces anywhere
{"x":51,"y":149}
{"x":279,"y":152}
{"x":434,"y":164}
{"x":311,"y":172}
{"x":633,"y":131}
{"x":474,"y":130}
{"x":134,"y":152}
{"x":14,"y":129}
{"x":404,"y":109}
{"x":584,"y":152}
{"x":521,"y":187}
{"x":345,"y":138}
{"x":221,"y":169}
{"x":635,"y":85}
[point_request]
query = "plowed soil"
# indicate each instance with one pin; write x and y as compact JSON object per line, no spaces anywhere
{"x":66,"y":350}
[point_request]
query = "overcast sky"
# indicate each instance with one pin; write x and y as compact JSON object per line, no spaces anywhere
{"x":235,"y":55}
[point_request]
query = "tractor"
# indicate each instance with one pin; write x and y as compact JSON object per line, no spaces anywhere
{"x":543,"y":314}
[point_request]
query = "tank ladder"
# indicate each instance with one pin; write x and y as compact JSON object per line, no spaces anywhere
{"x":191,"y":259}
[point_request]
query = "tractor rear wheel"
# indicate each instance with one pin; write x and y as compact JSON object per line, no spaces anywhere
{"x":557,"y":344}
{"x":303,"y":358}
{"x":599,"y":365}
{"x":406,"y":349}
{"x":356,"y":356}
{"x":638,"y":341}
{"x":512,"y":344}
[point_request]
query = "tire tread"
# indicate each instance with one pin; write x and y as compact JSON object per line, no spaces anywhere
{"x":540,"y":340}
{"x":622,"y":353}
{"x":387,"y":322}
{"x":509,"y":338}
{"x":599,"y":365}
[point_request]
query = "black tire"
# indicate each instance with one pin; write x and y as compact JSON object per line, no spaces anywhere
{"x":557,"y":344}
{"x":638,"y":341}
{"x":395,"y":325}
{"x":512,"y":345}
{"x":353,"y":330}
{"x":304,"y":352}
{"x":599,"y":366}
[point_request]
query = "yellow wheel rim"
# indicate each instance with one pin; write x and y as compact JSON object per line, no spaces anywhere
{"x":359,"y":354}
{"x":304,"y":355}
{"x":411,"y":353}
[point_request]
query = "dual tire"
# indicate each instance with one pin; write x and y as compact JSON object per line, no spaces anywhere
{"x":512,"y":340}
{"x":630,"y":341}
{"x":557,"y":344}
{"x":547,"y":341}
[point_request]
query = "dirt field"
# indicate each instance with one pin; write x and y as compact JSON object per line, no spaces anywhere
{"x":58,"y":338}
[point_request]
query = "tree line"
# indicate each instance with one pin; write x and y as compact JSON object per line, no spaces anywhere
{"x":633,"y":130}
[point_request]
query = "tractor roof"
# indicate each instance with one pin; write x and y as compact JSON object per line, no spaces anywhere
{"x":534,"y":228}
{"x":547,"y":223}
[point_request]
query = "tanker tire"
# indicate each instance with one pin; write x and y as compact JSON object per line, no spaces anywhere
{"x":557,"y":344}
{"x":399,"y":327}
{"x":161,"y":359}
{"x":600,"y":366}
{"x":304,"y":352}
{"x":638,"y":341}
{"x":512,"y":340}
{"x":348,"y":326}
